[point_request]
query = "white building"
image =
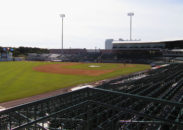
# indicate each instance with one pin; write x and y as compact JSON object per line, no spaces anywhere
{"x":108,"y":43}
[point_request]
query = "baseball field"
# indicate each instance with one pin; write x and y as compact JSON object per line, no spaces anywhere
{"x":24,"y":79}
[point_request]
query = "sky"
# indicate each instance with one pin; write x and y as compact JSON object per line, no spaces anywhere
{"x":88,"y":23}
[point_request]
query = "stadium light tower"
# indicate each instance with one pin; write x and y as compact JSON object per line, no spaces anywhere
{"x":62,"y":16}
{"x":130,"y":14}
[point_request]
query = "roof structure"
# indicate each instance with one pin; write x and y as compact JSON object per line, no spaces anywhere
{"x":144,"y":42}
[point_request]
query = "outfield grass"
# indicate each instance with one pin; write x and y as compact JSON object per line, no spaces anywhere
{"x":19,"y":80}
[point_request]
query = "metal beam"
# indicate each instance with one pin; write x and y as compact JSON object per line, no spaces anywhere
{"x":22,"y":115}
{"x":46,"y":117}
{"x":142,"y":122}
{"x":135,"y":96}
{"x":137,"y":113}
{"x":70,"y":119}
{"x":37,"y":102}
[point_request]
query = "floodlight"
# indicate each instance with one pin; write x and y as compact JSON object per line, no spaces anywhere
{"x":62,"y":15}
{"x":130,"y":14}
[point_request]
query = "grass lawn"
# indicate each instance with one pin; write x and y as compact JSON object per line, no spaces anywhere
{"x":19,"y":80}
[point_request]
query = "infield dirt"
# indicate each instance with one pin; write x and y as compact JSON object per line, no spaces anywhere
{"x":61,"y":69}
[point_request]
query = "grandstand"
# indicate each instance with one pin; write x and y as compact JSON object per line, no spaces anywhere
{"x":147,"y":52}
{"x":106,"y":56}
{"x":42,"y":57}
{"x":126,"y":51}
{"x":121,"y":52}
{"x":146,"y":100}
{"x":171,"y":44}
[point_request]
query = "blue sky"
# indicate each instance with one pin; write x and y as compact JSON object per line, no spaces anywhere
{"x":36,"y":23}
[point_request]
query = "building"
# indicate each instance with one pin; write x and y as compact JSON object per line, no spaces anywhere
{"x":174,"y":44}
{"x":136,"y":44}
{"x":108,"y":44}
{"x":147,"y":51}
{"x":6,"y":55}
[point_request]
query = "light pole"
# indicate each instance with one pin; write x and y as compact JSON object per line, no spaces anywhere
{"x":130,"y":14}
{"x":62,"y":16}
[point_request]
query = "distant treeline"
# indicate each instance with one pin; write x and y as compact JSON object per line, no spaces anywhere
{"x":23,"y":51}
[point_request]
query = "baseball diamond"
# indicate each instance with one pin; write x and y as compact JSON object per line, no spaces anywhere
{"x":25,"y":79}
